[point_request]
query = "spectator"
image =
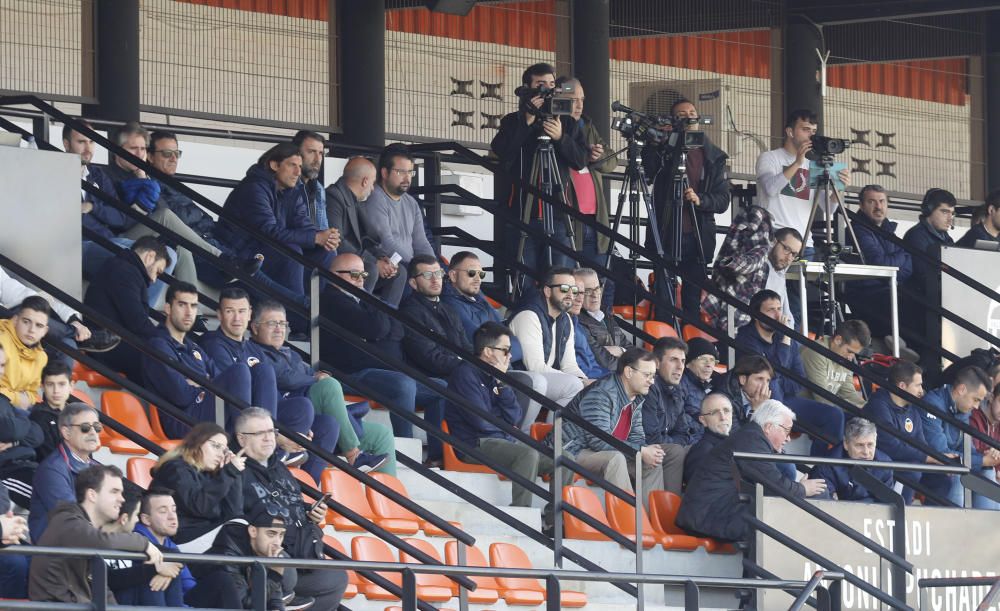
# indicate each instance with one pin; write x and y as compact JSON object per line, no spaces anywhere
{"x":603,"y":335}
{"x":745,"y":266}
{"x":545,"y":331}
{"x":57,"y":388}
{"x":783,"y":177}
{"x":173,"y":342}
{"x":711,"y":506}
{"x":937,"y":215}
{"x":344,"y":201}
{"x":13,"y":567}
{"x":493,"y":346}
{"x":747,"y":385}
{"x":779,"y":349}
{"x":98,"y":498}
{"x":584,"y":355}
{"x":706,"y":195}
{"x":614,"y":405}
{"x":312,"y":149}
{"x":516,"y":144}
{"x":207,"y":480}
{"x":665,"y":422}
{"x":392,"y":219}
{"x":228,"y":345}
{"x":21,"y":338}
{"x":384,"y":335}
{"x":125,"y":575}
{"x":269,"y":483}
{"x":869,"y":300}
{"x":699,"y":374}
{"x":859,"y":444}
{"x":850,"y":339}
{"x":367,"y":446}
{"x":986,"y":420}
{"x":893,"y":412}
{"x":19,"y":436}
{"x":989,"y":229}
{"x":270,"y":198}
{"x":80,"y":428}
{"x":716,"y":417}
{"x":120,"y":293}
{"x":957,"y":399}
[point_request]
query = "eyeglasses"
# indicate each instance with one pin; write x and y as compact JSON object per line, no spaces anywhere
{"x":646,"y":374}
{"x":472,"y":273}
{"x":787,"y":248}
{"x":787,"y":429}
{"x":718,"y":412}
{"x":275,"y":324}
{"x":706,"y":359}
{"x":354,"y":273}
{"x":565,"y":288}
{"x":434,"y":274}
{"x":170,"y":154}
{"x":86,"y":427}
{"x":593,"y":292}
{"x":402,"y":172}
{"x":219,"y":447}
{"x":265,"y":432}
{"x":504,"y":350}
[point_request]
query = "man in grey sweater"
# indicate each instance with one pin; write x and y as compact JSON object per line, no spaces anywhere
{"x":393,"y":221}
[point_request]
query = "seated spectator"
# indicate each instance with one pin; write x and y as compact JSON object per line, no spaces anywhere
{"x":890,"y":411}
{"x":21,"y":338}
{"x":614,"y":405}
{"x":779,"y":349}
{"x":747,"y":385}
{"x":989,"y":229}
{"x":986,"y":420}
{"x":229,"y":345}
{"x":716,"y":417}
{"x":665,"y":421}
{"x":124,"y":575}
{"x":173,"y":341}
{"x":604,"y":336}
{"x":19,"y":436}
{"x":268,"y":483}
{"x":98,"y":498}
{"x":711,"y":506}
{"x":585,"y":357}
{"x":850,"y":339}
{"x":937,"y":214}
{"x":270,"y":198}
{"x":699,"y":374}
{"x":312,"y":149}
{"x":957,"y":399}
{"x":13,"y":567}
{"x":57,"y":386}
{"x":392,"y":218}
{"x":367,"y":446}
{"x":80,"y":428}
{"x":859,"y":444}
{"x":120,"y":293}
{"x":493,"y":346}
{"x":545,"y":331}
{"x":207,"y":480}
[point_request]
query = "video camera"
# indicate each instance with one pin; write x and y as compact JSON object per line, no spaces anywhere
{"x":552,"y":106}
{"x":826,"y":148}
{"x":659,"y":129}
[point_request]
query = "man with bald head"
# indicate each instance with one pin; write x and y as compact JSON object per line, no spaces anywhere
{"x":344,"y":199}
{"x":716,"y":416}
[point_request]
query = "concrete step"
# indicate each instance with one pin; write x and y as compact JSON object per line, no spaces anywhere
{"x":484,"y":485}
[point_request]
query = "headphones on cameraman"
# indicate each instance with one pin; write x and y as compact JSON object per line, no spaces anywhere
{"x":932,"y":198}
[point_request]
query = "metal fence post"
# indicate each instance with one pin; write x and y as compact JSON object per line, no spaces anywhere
{"x":314,"y":284}
{"x":220,"y":411}
{"x":557,"y":486}
{"x":641,"y":599}
{"x":258,"y":587}
{"x":731,"y":331}
{"x":967,"y":460}
{"x":99,"y":577}
{"x":691,"y":596}
{"x":553,"y":597}
{"x":463,"y":594}
{"x":409,"y":590}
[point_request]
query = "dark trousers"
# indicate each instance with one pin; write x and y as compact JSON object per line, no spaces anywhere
{"x":215,"y":590}
{"x":827,"y":418}
{"x":237,"y":381}
{"x":13,"y":576}
{"x":326,"y":586}
{"x":692,"y":266}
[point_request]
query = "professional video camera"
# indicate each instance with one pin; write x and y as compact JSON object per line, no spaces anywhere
{"x":659,"y":129}
{"x":826,"y":148}
{"x":552,"y":106}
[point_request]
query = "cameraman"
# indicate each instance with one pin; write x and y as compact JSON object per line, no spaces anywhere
{"x":707,"y":195}
{"x":515,"y":144}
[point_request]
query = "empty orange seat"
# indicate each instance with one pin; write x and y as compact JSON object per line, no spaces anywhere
{"x":306,"y":479}
{"x":138,"y":470}
{"x":82,"y":373}
{"x":487,"y":591}
{"x":432,"y":587}
{"x":453,"y":463}
{"x":586,"y":501}
{"x":395,"y":518}
{"x":370,"y":549}
{"x":348,"y":492}
{"x":353,"y":581}
{"x":82,"y":397}
{"x":663,"y":507}
{"x":125,"y":409}
{"x":621,"y":517}
{"x":658,"y":329}
{"x":690,"y":332}
{"x":641,"y":311}
{"x":523,"y":590}
{"x":539,"y":430}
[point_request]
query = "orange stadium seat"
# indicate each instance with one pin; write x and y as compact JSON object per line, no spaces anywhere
{"x":663,"y":507}
{"x":370,"y":549}
{"x":82,"y":373}
{"x":690,"y":332}
{"x":658,"y":329}
{"x":586,"y":501}
{"x":395,"y":518}
{"x":642,"y":311}
{"x":487,"y":591}
{"x":307,"y":479}
{"x":126,"y":409}
{"x":432,"y":587}
{"x":348,"y":492}
{"x":539,"y":430}
{"x":353,"y":581}
{"x":138,"y":470}
{"x":523,"y":590}
{"x":82,"y":397}
{"x":453,"y":463}
{"x":621,"y":517}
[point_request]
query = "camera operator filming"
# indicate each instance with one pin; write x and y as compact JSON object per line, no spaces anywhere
{"x":538,"y":144}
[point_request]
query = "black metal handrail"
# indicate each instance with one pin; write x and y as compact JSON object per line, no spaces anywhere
{"x":992,"y":595}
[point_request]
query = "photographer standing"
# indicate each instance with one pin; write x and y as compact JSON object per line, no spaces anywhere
{"x":516,"y":144}
{"x":707,"y":195}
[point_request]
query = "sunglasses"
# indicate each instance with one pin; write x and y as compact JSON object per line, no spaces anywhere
{"x":428,"y":275}
{"x":472,"y":273}
{"x":565,"y":288}
{"x":86,"y":427}
{"x":355,"y":274}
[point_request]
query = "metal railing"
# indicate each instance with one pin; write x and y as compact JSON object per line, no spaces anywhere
{"x":992,"y":594}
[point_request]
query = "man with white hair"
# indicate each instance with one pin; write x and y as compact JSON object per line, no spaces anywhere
{"x":711,"y":506}
{"x":859,"y":444}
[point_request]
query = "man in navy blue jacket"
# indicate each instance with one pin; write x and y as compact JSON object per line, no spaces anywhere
{"x":859,"y":444}
{"x":781,"y":350}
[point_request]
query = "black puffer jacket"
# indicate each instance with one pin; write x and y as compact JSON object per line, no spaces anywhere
{"x":204,"y":500}
{"x":233,"y":540}
{"x":274,"y":485}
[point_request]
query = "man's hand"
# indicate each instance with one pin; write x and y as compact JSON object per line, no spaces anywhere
{"x":553,"y":128}
{"x":587,"y":382}
{"x":845,"y":177}
{"x":327,"y":240}
{"x":159,"y":583}
{"x":814,"y":486}
{"x":800,"y":155}
{"x":537,"y":102}
{"x":317,"y":513}
{"x":22,"y":400}
{"x":335,"y":237}
{"x":169,"y":569}
{"x":237,"y":460}
{"x":758,"y":395}
{"x":386,"y":269}
{"x":652,"y":455}
{"x":4,"y":446}
{"x":691,"y":196}
{"x":615,"y":350}
{"x":15,"y":528}
{"x":596,"y":151}
{"x":86,"y":207}
{"x":82,"y":332}
{"x":787,"y":321}
{"x":154,"y":555}
{"x":321,"y":375}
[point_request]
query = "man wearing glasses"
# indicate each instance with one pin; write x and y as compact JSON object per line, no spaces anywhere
{"x":606,"y":339}
{"x":392,"y":218}
{"x":717,"y":419}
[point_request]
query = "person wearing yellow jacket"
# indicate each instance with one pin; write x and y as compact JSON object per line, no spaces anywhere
{"x":20,"y":337}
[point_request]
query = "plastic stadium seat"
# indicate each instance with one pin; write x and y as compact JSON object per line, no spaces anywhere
{"x":658,"y":329}
{"x":370,"y":549}
{"x":348,"y":492}
{"x":138,"y":470}
{"x":621,"y":517}
{"x":432,"y":587}
{"x":126,"y":410}
{"x":453,"y":463}
{"x":690,"y":332}
{"x":539,"y":430}
{"x":353,"y":581}
{"x":586,"y":501}
{"x":395,"y":518}
{"x":642,"y":311}
{"x":487,"y":591}
{"x":663,"y":508}
{"x":349,"y":399}
{"x":82,"y":397}
{"x":82,"y":373}
{"x":307,"y":479}
{"x":522,"y":590}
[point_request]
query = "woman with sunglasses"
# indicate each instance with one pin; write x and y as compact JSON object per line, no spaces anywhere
{"x":207,"y":480}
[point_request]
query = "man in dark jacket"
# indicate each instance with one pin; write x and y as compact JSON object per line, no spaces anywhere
{"x":707,"y":195}
{"x":699,"y":374}
{"x":989,"y":229}
{"x":604,"y":336}
{"x":746,"y":385}
{"x":711,"y":506}
{"x":120,"y":292}
{"x":717,"y":418}
{"x":516,"y":144}
{"x":664,"y":419}
{"x":267,"y":482}
{"x":57,"y":388}
{"x":859,"y":444}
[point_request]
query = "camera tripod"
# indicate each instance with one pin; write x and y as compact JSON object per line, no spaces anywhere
{"x":832,"y":315}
